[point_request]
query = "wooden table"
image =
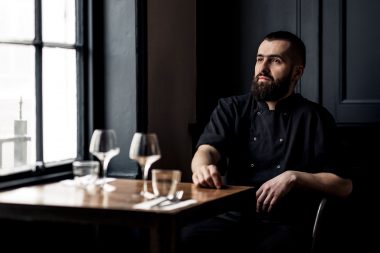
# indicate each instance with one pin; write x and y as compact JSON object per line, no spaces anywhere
{"x":59,"y":202}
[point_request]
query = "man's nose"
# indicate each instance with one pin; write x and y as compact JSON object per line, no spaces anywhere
{"x":263,"y":67}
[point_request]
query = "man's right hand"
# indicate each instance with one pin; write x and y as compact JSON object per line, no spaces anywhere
{"x":207,"y":176}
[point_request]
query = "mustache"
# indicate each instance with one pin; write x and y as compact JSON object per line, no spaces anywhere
{"x":264,"y":75}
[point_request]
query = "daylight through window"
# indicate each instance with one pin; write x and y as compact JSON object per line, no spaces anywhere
{"x":40,"y":52}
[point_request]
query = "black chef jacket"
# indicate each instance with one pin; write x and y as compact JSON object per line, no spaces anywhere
{"x":260,"y":144}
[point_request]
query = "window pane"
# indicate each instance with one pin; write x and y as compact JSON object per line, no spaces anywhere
{"x":58,"y":21}
{"x":17,"y":108}
{"x":17,"y":19}
{"x":59,"y":104}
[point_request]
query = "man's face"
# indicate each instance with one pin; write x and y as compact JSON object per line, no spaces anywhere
{"x":275,"y":72}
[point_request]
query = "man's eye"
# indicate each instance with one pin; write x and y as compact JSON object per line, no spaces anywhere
{"x":259,"y":59}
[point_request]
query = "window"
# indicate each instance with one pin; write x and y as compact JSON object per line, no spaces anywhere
{"x":41,"y":56}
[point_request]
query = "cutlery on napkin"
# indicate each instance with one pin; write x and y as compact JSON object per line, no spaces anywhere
{"x":155,"y":204}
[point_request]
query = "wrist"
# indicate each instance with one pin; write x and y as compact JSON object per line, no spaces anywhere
{"x":292,"y":178}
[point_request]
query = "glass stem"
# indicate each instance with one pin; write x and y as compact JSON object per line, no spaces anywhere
{"x":103,"y":168}
{"x":145,"y":177}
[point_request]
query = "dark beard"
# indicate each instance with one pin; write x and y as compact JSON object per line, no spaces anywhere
{"x":273,"y":91}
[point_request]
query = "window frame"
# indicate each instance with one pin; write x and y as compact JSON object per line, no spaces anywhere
{"x":91,"y":95}
{"x":62,"y":169}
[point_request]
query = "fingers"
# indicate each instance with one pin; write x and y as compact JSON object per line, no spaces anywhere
{"x":265,"y":200}
{"x":216,"y":179}
{"x":208,"y":176}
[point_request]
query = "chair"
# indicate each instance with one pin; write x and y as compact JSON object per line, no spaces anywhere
{"x":333,"y":226}
{"x":316,"y":234}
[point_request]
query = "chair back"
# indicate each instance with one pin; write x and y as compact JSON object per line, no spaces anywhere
{"x":317,"y":225}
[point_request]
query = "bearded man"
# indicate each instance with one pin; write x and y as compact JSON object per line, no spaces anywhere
{"x":277,"y":141}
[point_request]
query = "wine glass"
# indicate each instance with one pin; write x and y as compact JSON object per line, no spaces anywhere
{"x":145,"y":150}
{"x":103,"y":146}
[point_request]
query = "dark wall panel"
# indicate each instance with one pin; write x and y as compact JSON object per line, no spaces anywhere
{"x":349,"y":51}
{"x":362,"y":50}
{"x":120,"y":81}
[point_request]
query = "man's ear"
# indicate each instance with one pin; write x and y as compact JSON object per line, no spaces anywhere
{"x":298,"y":72}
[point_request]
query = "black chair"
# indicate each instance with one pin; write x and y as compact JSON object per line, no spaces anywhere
{"x":334,"y":227}
{"x":316,"y":235}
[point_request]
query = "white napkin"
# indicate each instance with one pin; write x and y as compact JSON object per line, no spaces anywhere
{"x":71,"y":182}
{"x":152,"y":204}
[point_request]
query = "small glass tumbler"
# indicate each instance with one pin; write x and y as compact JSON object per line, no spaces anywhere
{"x":164,"y":182}
{"x":85,"y":173}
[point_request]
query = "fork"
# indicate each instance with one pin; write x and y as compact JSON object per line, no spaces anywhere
{"x":176,"y":197}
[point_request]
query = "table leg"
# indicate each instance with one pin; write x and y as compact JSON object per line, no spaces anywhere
{"x":164,"y":236}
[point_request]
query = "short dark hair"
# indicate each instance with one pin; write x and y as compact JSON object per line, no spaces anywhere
{"x":297,"y":45}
